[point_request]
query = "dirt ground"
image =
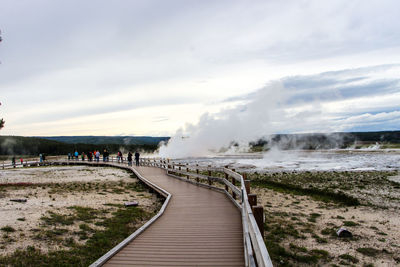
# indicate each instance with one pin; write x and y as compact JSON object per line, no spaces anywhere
{"x":310,"y":225}
{"x":56,"y":190}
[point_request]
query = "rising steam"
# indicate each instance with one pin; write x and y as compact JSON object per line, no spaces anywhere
{"x":260,"y":116}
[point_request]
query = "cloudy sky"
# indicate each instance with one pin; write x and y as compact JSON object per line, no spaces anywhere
{"x":151,"y":67}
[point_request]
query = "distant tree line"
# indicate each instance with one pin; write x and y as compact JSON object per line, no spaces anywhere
{"x":18,"y":145}
{"x":326,"y":141}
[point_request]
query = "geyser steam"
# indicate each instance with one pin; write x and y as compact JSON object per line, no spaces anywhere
{"x":263,"y":114}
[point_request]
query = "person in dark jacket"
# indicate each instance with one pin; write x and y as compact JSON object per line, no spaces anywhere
{"x":137,"y":155}
{"x":130,"y":158}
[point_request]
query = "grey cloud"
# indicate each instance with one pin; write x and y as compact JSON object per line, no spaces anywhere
{"x":335,"y":85}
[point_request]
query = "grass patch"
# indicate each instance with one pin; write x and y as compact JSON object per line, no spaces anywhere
{"x":7,"y":229}
{"x":117,"y":228}
{"x":350,"y":223}
{"x":315,"y":193}
{"x":57,"y":219}
{"x":349,"y":258}
{"x":313,"y":217}
{"x":369,"y":251}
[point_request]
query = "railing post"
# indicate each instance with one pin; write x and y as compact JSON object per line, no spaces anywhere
{"x":197,"y":171}
{"x":227,"y":178}
{"x":258,"y":212}
{"x":187,"y":170}
{"x":209,"y":175}
{"x":247,"y":186}
{"x":234,"y":183}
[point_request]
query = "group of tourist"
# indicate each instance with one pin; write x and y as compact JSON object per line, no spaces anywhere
{"x":95,"y":156}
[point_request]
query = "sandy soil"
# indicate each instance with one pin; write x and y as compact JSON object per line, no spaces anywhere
{"x":26,"y":217}
{"x":377,"y":228}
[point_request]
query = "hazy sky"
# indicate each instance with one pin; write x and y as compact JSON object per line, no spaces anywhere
{"x":150,"y":67}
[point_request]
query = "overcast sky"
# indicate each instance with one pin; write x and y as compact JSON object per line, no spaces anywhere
{"x":150,"y":67}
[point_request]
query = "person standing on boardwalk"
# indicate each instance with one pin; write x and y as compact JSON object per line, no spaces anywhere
{"x":106,"y":155}
{"x":137,"y":155}
{"x":130,"y":158}
{"x":76,"y":154}
{"x":97,"y":156}
{"x":13,"y":161}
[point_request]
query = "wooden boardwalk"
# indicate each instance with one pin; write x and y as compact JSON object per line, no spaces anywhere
{"x":200,"y":227}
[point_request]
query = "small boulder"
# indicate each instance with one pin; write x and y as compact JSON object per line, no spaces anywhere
{"x":22,"y":200}
{"x":131,"y":204}
{"x":343,"y":232}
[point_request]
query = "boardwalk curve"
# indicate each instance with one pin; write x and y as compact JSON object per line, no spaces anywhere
{"x":200,"y":227}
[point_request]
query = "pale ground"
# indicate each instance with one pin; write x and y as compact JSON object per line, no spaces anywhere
{"x":41,"y":199}
{"x":378,"y":228}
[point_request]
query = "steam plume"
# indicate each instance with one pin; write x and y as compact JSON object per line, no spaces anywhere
{"x":260,"y":116}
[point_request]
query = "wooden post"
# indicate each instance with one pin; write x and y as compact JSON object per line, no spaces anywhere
{"x":234,"y":183}
{"x":187,"y":170}
{"x":247,"y":185}
{"x":258,"y":212}
{"x":197,"y":171}
{"x":252,"y":199}
{"x":227,"y":178}
{"x":209,"y":175}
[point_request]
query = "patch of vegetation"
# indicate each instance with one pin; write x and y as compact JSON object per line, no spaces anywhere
{"x":350,"y":223}
{"x":57,"y":219}
{"x":319,"y":239}
{"x":278,"y":229}
{"x":315,"y":193}
{"x":350,"y":188}
{"x":349,"y":258}
{"x":117,"y":228}
{"x":313,"y":217}
{"x":7,"y":229}
{"x":368,"y":251}
{"x":329,"y":231}
{"x":85,"y":214}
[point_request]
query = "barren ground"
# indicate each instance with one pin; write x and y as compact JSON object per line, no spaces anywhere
{"x":62,"y":203}
{"x":300,"y":229}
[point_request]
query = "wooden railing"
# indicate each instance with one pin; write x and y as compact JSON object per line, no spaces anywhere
{"x":255,"y":252}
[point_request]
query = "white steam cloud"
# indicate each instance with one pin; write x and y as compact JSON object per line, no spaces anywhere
{"x":261,"y":116}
